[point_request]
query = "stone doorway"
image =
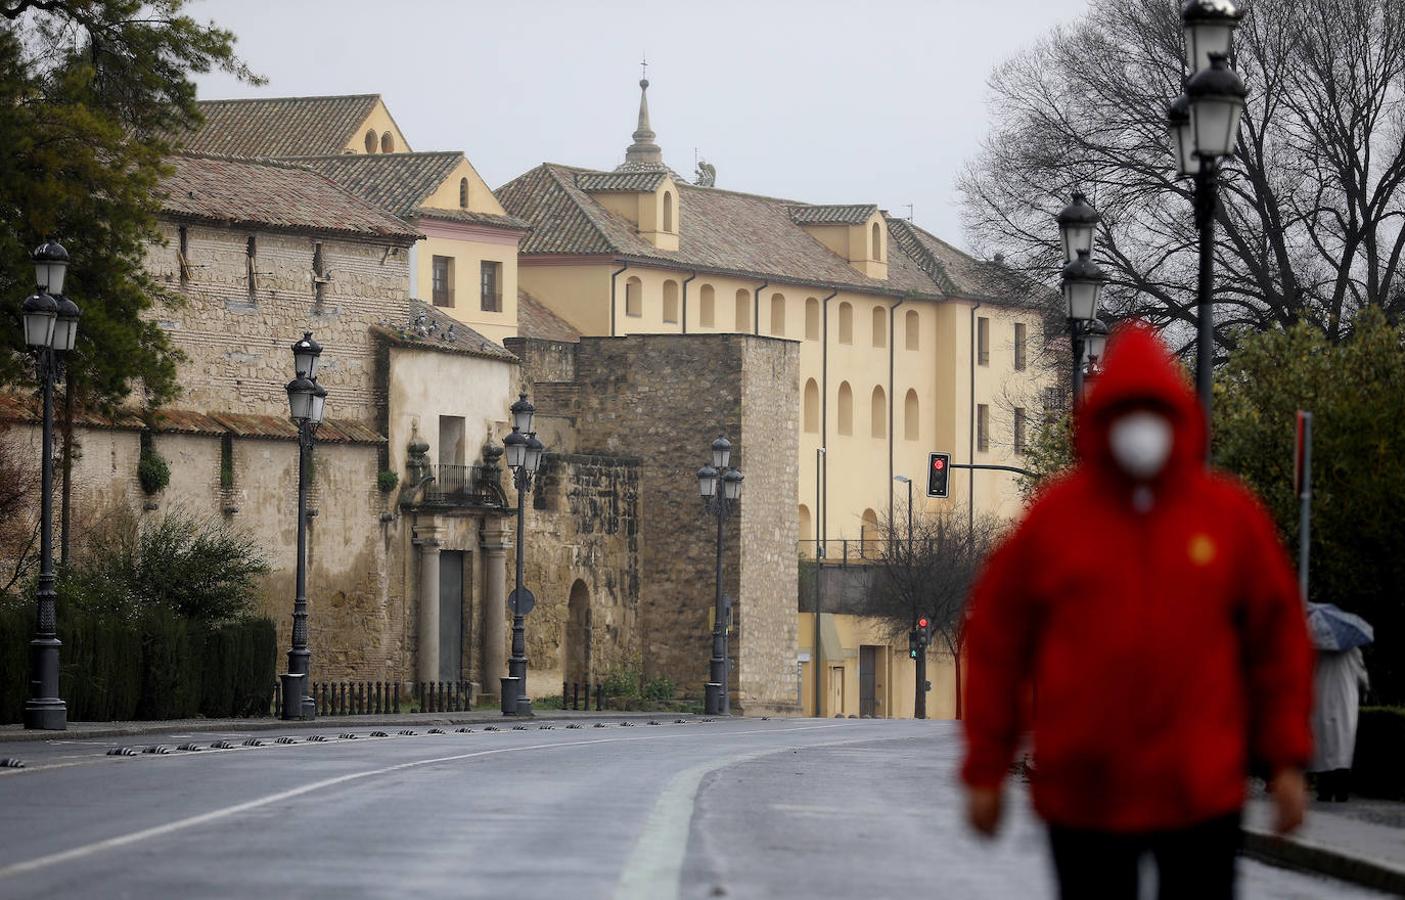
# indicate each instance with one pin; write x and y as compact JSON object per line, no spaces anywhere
{"x":577,"y":663}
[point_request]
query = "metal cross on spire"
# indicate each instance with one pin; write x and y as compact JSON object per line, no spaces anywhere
{"x":644,"y":66}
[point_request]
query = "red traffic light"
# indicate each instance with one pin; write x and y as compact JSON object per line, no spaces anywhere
{"x":937,"y":474}
{"x":923,"y":622}
{"x":939,"y":464}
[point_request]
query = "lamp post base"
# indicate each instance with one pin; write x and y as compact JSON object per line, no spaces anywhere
{"x":712,"y":703}
{"x":524,"y":707}
{"x":46,"y":715}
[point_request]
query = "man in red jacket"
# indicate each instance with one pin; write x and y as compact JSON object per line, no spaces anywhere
{"x":1145,"y":617}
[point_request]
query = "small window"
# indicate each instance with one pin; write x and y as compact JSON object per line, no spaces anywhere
{"x":983,"y":341}
{"x":846,"y":323}
{"x":387,"y":143}
{"x":251,"y":256}
{"x":913,"y":328}
{"x":982,"y":427}
{"x":1019,"y":346}
{"x":463,"y":193}
{"x":319,"y":273}
{"x":634,"y":298}
{"x":183,"y":253}
{"x":805,"y":530}
{"x":1019,"y":429}
{"x":668,"y":211}
{"x":743,"y":310}
{"x":812,"y":319}
{"x":846,"y":408}
{"x":1052,"y":403}
{"x":227,"y":461}
{"x":490,"y":287}
{"x":878,"y":413}
{"x":912,"y":422}
{"x":670,"y":301}
{"x":442,"y":279}
{"x":707,"y":315}
{"x":812,"y":407}
{"x":371,"y":141}
{"x":880,"y":327}
{"x":877,"y":242}
{"x":451,"y":440}
{"x":778,"y":315}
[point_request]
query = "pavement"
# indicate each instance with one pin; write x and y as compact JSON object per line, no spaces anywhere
{"x":1361,"y":841}
{"x":596,"y":806}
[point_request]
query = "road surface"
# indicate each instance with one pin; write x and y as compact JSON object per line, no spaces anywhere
{"x":726,"y":808}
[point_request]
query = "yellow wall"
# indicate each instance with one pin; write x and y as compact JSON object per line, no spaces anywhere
{"x":380,"y":121}
{"x":468,"y":255}
{"x":895,"y":680}
{"x":480,"y":196}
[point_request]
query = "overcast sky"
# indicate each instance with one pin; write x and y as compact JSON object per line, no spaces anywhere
{"x":859,"y":101}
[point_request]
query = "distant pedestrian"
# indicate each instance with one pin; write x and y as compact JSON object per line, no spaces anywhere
{"x":1340,"y":676}
{"x":1144,"y":620}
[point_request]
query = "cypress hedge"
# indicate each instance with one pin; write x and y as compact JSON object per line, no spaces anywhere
{"x":160,"y":666}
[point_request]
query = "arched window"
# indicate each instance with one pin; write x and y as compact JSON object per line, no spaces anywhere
{"x":668,"y":211}
{"x":846,"y":323}
{"x":880,"y":327}
{"x":812,"y":407}
{"x":707,"y":315}
{"x":812,"y":319}
{"x":913,"y":330}
{"x":371,"y":141}
{"x":878,"y":413}
{"x":743,"y":310}
{"x":670,"y":301}
{"x":634,"y":297}
{"x":877,"y":242}
{"x":912,"y":423}
{"x":806,"y":532}
{"x":846,"y":408}
{"x":870,"y":541}
{"x":463,"y":193}
{"x":778,"y":315}
{"x":387,"y":143}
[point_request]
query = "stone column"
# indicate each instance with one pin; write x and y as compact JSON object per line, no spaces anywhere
{"x":427,"y":657}
{"x":495,"y":546}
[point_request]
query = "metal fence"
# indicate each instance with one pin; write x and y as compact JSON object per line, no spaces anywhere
{"x":576,"y":695}
{"x":468,"y":485}
{"x":377,"y":698}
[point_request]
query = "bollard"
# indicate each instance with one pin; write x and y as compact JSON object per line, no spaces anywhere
{"x":277,"y":698}
{"x":397,"y":698}
{"x":441,"y":696}
{"x":599,"y":697}
{"x":565,"y":695}
{"x":509,"y":695}
{"x":326,"y":710}
{"x":366,"y":698}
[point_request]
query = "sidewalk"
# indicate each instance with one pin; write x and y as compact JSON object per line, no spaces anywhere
{"x":17,"y":733}
{"x":1361,"y":841}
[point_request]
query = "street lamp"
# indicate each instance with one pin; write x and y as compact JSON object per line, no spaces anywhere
{"x":524,"y":454}
{"x":1094,"y":344}
{"x":903,"y":479}
{"x":1204,"y":126}
{"x":307,"y":402}
{"x":1082,"y":287}
{"x":720,"y":486}
{"x":50,"y":327}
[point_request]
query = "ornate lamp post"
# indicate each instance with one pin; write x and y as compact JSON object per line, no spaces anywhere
{"x":50,"y":329}
{"x":1082,"y":279}
{"x":1204,"y":123}
{"x":307,"y":401}
{"x":721,"y":489}
{"x":524,"y":455}
{"x":1094,"y":345}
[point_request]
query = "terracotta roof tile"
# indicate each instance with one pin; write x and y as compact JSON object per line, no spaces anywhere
{"x":620,"y":181}
{"x":279,"y":126}
{"x":243,"y":192}
{"x":534,"y":320}
{"x":853,"y":214}
{"x":430,"y":328}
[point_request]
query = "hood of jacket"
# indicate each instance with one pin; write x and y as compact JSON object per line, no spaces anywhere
{"x":1139,"y":374}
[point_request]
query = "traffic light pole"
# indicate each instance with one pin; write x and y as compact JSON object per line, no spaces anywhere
{"x":920,"y":704}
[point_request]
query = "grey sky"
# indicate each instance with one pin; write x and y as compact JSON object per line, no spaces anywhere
{"x":815,"y":100}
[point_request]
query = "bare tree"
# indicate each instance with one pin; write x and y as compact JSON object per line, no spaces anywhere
{"x":1310,"y":220}
{"x":19,"y":526}
{"x":928,"y":570}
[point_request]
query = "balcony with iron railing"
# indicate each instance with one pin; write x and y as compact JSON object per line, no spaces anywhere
{"x":455,"y":485}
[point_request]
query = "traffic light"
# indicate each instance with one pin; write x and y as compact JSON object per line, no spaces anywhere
{"x":914,"y":644}
{"x":938,"y":468}
{"x":924,"y":631}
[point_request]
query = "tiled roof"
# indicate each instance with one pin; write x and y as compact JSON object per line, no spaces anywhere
{"x":535,"y":320}
{"x":25,"y":408}
{"x":243,"y":192}
{"x":279,"y":126}
{"x":398,"y":182}
{"x":492,"y":220}
{"x":432,"y":329}
{"x":621,"y":181}
{"x":719,"y":230}
{"x":960,"y":273}
{"x":852,"y":214}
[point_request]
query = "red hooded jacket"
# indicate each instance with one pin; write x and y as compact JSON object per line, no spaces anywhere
{"x":1166,"y":648}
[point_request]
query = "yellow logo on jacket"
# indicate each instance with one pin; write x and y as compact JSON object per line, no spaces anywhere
{"x":1201,"y":549}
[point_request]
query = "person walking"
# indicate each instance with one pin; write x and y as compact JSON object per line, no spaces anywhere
{"x":1145,"y":621}
{"x":1340,"y":676}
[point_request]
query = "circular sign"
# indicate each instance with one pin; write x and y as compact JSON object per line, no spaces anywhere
{"x":524,"y":606}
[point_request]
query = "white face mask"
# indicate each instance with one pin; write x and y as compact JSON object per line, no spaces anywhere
{"x":1141,"y":443}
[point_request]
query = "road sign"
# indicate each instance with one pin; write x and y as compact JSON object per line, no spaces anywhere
{"x":938,"y":470}
{"x":528,"y":601}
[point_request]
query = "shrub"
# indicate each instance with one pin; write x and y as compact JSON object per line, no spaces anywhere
{"x":658,"y":689}
{"x":152,"y":471}
{"x":387,"y":480}
{"x":1378,"y":768}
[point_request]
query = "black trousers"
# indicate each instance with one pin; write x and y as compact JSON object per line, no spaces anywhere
{"x":1193,"y":863}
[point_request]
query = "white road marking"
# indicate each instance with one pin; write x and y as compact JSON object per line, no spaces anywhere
{"x":124,"y":840}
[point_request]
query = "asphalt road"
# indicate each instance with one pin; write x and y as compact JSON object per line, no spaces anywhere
{"x":741,"y":808}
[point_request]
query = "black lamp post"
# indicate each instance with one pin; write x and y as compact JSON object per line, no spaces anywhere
{"x":1094,"y":345}
{"x":524,"y":454}
{"x":1204,"y":123}
{"x":50,"y":328}
{"x":721,"y":489}
{"x":1082,"y":279}
{"x":307,"y":401}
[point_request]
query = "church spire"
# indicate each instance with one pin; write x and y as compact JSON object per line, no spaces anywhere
{"x":643,"y":155}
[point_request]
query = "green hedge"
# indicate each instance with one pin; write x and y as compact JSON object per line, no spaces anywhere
{"x":1378,"y":769}
{"x":159,"y":667}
